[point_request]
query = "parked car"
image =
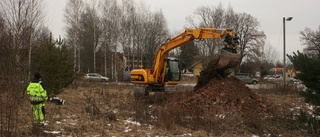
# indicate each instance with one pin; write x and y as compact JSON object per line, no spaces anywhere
{"x":247,"y":79}
{"x":272,"y":77}
{"x":95,"y":77}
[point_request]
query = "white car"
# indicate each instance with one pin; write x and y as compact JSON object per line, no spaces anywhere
{"x":272,"y":77}
{"x":247,"y":79}
{"x":95,"y":77}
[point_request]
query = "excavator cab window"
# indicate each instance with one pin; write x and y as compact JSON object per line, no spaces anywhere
{"x":173,"y":70}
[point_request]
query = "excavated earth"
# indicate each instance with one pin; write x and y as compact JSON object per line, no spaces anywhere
{"x":214,"y":91}
{"x":229,"y":94}
{"x":213,"y":98}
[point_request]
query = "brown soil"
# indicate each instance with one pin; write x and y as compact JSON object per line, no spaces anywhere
{"x":210,"y":73}
{"x":212,"y":99}
{"x":228,"y":101}
{"x":229,"y":93}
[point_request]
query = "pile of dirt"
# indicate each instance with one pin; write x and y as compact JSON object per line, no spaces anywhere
{"x":217,"y":95}
{"x":210,"y":73}
{"x":212,"y":98}
{"x":226,"y":101}
{"x":229,"y":93}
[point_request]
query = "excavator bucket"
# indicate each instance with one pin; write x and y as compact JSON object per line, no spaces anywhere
{"x":227,"y":60}
{"x":225,"y":64}
{"x":221,"y":66}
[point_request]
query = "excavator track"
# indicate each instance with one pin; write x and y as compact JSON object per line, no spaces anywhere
{"x":140,"y":92}
{"x":143,"y":91}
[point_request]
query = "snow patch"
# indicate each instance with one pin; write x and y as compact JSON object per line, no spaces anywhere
{"x":52,"y":132}
{"x":186,"y":134}
{"x":132,"y":122}
{"x":221,"y":116}
{"x":127,"y":129}
{"x":188,"y":75}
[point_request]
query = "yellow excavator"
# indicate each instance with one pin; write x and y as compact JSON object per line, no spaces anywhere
{"x":166,"y":70}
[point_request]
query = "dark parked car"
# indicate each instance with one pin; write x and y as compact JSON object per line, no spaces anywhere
{"x":95,"y":77}
{"x":247,"y":79}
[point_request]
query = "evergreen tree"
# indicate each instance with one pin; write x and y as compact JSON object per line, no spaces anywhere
{"x":55,"y":65}
{"x":310,"y":76}
{"x":187,"y":55}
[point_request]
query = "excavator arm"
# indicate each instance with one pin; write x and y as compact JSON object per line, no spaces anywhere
{"x":155,"y":77}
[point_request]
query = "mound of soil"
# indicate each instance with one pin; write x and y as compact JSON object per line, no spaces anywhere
{"x":229,"y":94}
{"x":226,"y":101}
{"x":210,"y":73}
{"x":233,"y":94}
{"x":213,"y":89}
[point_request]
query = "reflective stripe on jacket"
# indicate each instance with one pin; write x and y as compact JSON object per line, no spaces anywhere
{"x":36,"y":92}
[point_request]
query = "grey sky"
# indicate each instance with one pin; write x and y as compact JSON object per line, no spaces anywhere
{"x":305,"y":13}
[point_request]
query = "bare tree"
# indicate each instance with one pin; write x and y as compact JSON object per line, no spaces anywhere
{"x":155,"y":33}
{"x":250,"y":38}
{"x":311,"y":39}
{"x":89,"y":38}
{"x":269,"y":53}
{"x":96,"y":24}
{"x":129,"y":26}
{"x":119,"y":25}
{"x":35,"y":20}
{"x":5,"y":52}
{"x":22,"y":17}
{"x":111,"y":18}
{"x":125,"y":31}
{"x":244,"y":25}
{"x":213,"y":17}
{"x":265,"y":61}
{"x":72,"y":14}
{"x":209,"y":16}
{"x":133,"y":27}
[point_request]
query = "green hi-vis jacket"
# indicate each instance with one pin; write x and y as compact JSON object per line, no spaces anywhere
{"x":36,"y":92}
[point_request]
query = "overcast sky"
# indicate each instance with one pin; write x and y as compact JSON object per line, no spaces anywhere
{"x":305,"y":13}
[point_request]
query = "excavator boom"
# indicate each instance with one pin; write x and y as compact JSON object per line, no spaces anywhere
{"x":158,"y":76}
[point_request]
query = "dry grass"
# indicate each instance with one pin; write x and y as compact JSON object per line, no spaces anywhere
{"x":111,"y":110}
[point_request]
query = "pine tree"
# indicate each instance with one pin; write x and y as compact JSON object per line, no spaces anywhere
{"x":55,"y":65}
{"x":310,"y":76}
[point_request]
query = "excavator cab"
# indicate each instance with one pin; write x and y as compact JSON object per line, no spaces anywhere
{"x":173,"y":72}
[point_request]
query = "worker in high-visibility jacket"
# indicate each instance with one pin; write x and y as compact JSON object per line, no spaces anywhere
{"x":37,"y":94}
